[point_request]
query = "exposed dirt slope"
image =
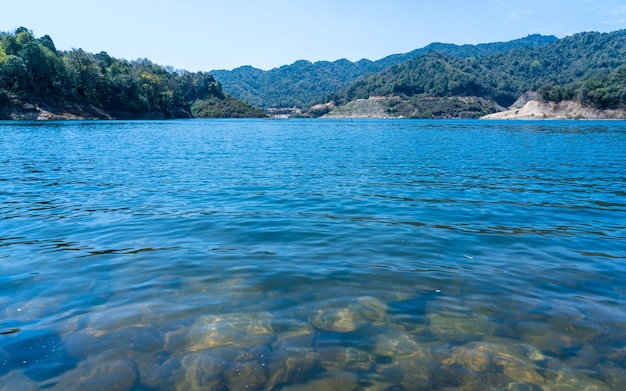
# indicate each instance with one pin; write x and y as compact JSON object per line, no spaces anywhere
{"x":360,"y":108}
{"x":550,"y":110}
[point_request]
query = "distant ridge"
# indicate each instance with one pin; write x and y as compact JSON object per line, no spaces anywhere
{"x":587,"y":68}
{"x":304,"y":83}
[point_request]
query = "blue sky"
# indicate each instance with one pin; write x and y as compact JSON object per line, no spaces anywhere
{"x":201,"y":35}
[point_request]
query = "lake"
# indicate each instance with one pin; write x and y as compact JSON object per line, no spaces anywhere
{"x":313,"y":255}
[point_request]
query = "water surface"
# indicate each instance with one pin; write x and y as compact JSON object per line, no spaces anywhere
{"x":310,"y":254}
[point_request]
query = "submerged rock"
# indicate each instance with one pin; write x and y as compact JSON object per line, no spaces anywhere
{"x":345,"y":381}
{"x":300,"y":336}
{"x":237,"y":330}
{"x":372,"y":309}
{"x":358,"y":360}
{"x":409,"y":373}
{"x":120,"y":375}
{"x":560,"y":377}
{"x":395,"y":342}
{"x":17,"y":381}
{"x":460,"y":326}
{"x":547,"y":338}
{"x":201,"y":371}
{"x":341,"y":320}
{"x":292,"y":366}
{"x":515,"y":360}
{"x":246,"y":376}
{"x":348,"y":318}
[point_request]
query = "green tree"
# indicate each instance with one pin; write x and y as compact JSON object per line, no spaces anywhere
{"x":13,"y":74}
{"x":48,"y":43}
{"x":85,"y":75}
{"x":45,"y":69}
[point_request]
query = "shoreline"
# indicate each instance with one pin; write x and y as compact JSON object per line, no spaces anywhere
{"x":566,"y":110}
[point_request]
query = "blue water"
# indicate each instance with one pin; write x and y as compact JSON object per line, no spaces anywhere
{"x":313,"y":255}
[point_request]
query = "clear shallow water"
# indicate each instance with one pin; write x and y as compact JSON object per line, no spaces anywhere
{"x":301,"y":255}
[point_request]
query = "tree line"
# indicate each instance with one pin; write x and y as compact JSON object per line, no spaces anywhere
{"x":588,"y":67}
{"x":304,"y":83}
{"x":32,"y":69}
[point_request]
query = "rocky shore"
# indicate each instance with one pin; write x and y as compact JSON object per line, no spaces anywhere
{"x":17,"y":109}
{"x":535,"y":109}
{"x":360,"y":108}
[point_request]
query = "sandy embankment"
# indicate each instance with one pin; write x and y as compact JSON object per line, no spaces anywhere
{"x":360,"y":108}
{"x":534,"y":109}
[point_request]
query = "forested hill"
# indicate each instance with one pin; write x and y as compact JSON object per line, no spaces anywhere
{"x":589,"y":68}
{"x":303,"y":82}
{"x":38,"y":80}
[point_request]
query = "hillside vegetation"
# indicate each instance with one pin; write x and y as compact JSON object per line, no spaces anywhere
{"x":588,"y":68}
{"x":35,"y":77}
{"x":303,"y":83}
{"x":37,"y":81}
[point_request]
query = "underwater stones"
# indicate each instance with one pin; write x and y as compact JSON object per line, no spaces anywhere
{"x":565,"y":310}
{"x":521,"y":386}
{"x":460,"y":326}
{"x":372,"y":309}
{"x":201,"y":371}
{"x":116,"y":375}
{"x":586,"y":357}
{"x":474,"y":359}
{"x":17,"y":381}
{"x":411,"y":374}
{"x":331,"y":356}
{"x":560,"y":377}
{"x":614,"y":374}
{"x":292,"y":366}
{"x":457,"y":377}
{"x":246,"y":376}
{"x":348,"y":318}
{"x":516,"y":361}
{"x":394,"y":342}
{"x":390,"y":373}
{"x":548,"y":339}
{"x":238,"y":330}
{"x":331,"y":381}
{"x":138,"y":339}
{"x":519,"y":371}
{"x":107,"y":319}
{"x":358,"y":360}
{"x":157,"y":371}
{"x":345,"y":358}
{"x":177,"y":339}
{"x":252,"y":323}
{"x":83,"y":343}
{"x":299,"y":336}
{"x":341,"y":320}
{"x":510,"y":347}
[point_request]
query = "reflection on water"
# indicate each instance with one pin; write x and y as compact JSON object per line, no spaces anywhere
{"x":312,"y":255}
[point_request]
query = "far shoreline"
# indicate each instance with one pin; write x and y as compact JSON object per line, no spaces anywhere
{"x":565,"y":111}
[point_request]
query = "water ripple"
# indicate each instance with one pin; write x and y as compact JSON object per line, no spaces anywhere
{"x":312,"y":254}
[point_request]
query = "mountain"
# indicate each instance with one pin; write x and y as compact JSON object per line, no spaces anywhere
{"x":303,"y":83}
{"x":588,"y":67}
{"x":295,"y":85}
{"x":38,"y":81}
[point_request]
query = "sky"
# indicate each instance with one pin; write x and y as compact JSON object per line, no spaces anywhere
{"x":197,"y":35}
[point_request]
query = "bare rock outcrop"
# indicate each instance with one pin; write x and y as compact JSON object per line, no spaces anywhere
{"x":17,"y":109}
{"x":535,"y":109}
